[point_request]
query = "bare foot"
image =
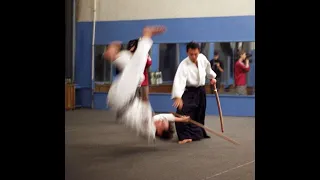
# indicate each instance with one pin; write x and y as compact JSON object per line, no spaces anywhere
{"x":185,"y":141}
{"x":150,"y":31}
{"x":112,"y":50}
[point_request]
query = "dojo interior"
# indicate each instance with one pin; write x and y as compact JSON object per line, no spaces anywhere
{"x":98,"y":148}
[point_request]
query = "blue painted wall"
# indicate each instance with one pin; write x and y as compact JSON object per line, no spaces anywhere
{"x":161,"y":102}
{"x":100,"y":101}
{"x":215,"y":29}
{"x":83,"y":64}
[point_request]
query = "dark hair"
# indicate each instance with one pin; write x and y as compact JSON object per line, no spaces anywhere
{"x":167,"y":134}
{"x":241,"y":52}
{"x":133,"y":43}
{"x":216,"y":53}
{"x":117,"y":71}
{"x":193,"y":45}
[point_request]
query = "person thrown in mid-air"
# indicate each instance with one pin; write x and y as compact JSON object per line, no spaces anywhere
{"x":122,"y":96}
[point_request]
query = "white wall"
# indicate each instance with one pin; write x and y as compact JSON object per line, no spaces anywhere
{"x":116,"y":10}
{"x":84,"y":10}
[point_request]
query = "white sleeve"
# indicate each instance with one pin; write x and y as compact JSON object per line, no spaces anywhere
{"x":167,"y":116}
{"x":179,"y":83}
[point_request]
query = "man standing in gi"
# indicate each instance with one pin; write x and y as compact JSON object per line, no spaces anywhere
{"x":189,"y":95}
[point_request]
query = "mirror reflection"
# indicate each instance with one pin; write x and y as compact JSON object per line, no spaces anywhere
{"x":233,"y":62}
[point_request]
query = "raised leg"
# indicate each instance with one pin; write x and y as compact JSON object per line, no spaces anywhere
{"x":124,"y":88}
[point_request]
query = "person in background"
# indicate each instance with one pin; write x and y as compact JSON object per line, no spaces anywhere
{"x":241,"y":69}
{"x":144,"y":89}
{"x":218,"y":68}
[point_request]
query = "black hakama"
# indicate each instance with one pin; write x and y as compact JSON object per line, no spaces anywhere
{"x":194,"y":105}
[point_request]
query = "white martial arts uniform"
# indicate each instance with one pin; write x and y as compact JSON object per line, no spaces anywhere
{"x":164,"y":116}
{"x":122,"y":94}
{"x":188,"y":74}
{"x":188,"y":85}
{"x":122,"y":60}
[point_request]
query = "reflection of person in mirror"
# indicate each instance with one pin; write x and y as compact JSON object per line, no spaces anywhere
{"x":217,"y":67}
{"x":241,"y":69}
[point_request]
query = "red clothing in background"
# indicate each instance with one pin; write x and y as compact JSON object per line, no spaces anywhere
{"x":240,"y":73}
{"x":145,"y":73}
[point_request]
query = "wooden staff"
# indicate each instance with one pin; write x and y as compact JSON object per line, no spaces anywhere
{"x":219,"y":107}
{"x":209,"y":130}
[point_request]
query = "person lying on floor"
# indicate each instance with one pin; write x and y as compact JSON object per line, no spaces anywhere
{"x":163,"y":125}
